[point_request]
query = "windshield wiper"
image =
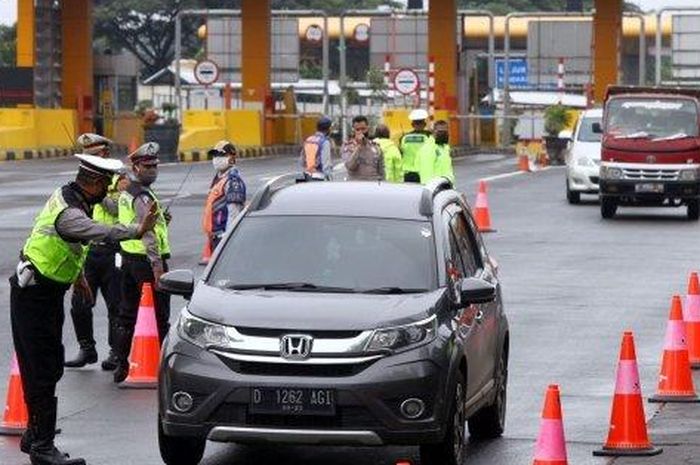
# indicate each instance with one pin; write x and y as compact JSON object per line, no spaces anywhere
{"x":291,"y":286}
{"x":393,"y":290}
{"x":679,"y":135}
{"x":634,"y":135}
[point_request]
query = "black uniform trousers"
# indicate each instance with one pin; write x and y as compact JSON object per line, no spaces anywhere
{"x":102,"y":275}
{"x":136,"y":270}
{"x":37,"y":317}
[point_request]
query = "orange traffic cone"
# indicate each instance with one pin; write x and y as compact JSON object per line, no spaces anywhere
{"x":14,"y":421}
{"x":675,"y":379}
{"x":206,"y":252}
{"x":691,"y":316}
{"x":628,"y":428}
{"x":481,"y":210}
{"x":550,"y":448}
{"x":523,"y":162}
{"x":145,"y":348}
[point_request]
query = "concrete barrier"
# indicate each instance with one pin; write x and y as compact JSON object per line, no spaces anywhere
{"x":28,"y":133}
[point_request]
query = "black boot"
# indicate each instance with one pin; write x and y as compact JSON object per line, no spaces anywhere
{"x":43,"y":451}
{"x":87,"y":355}
{"x":25,"y":444}
{"x":122,"y":347}
{"x":110,"y":363}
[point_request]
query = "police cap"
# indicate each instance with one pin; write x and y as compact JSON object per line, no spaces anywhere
{"x":146,"y":154}
{"x":93,"y":144}
{"x":98,"y":167}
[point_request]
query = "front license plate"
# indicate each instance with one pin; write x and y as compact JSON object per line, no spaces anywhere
{"x":650,"y":187}
{"x":292,"y":401}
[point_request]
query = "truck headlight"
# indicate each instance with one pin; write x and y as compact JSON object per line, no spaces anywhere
{"x":689,"y":175}
{"x":200,"y":332}
{"x":403,"y":337}
{"x":607,"y":172}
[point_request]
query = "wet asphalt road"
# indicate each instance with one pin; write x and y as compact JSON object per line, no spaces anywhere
{"x":572,"y":283}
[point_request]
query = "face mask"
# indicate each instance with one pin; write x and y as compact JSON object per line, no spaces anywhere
{"x":442,"y":138}
{"x":220,"y":163}
{"x":148,"y":178}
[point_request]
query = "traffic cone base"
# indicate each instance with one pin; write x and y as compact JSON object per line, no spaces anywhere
{"x":144,"y":359}
{"x":609,"y":452}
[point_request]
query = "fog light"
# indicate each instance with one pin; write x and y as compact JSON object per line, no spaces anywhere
{"x":412,"y":408}
{"x":182,"y":402}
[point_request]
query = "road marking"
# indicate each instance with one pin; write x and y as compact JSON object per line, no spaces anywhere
{"x":516,"y":173}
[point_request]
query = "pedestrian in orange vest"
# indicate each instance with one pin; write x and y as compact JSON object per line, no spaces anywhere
{"x":227,"y":193}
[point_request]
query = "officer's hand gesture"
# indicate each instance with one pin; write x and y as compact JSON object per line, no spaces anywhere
{"x":150,"y":220}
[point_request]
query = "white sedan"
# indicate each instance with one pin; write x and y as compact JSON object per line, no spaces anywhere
{"x":583,"y":157}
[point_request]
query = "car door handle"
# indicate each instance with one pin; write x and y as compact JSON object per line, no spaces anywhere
{"x":479,"y":317}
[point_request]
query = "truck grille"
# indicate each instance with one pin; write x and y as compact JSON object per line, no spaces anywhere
{"x":647,"y":174}
{"x":345,"y":417}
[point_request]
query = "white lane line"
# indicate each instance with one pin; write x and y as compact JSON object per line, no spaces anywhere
{"x":516,"y":173}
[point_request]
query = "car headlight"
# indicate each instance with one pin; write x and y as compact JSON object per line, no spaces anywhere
{"x":403,"y":337}
{"x":689,"y":175}
{"x":585,"y":161}
{"x":607,"y":172}
{"x":200,"y":332}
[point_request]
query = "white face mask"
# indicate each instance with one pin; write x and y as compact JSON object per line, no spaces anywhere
{"x":220,"y":163}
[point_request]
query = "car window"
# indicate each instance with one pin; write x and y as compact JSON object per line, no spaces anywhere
{"x":352,"y":253}
{"x":467,"y":245}
{"x":585,"y":131}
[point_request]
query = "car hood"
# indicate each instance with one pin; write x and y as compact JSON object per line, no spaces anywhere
{"x":586,"y":149}
{"x":309,"y":310}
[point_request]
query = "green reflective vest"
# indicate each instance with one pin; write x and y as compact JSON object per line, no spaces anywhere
{"x":435,"y":161}
{"x":393,"y":164}
{"x":100,"y":213}
{"x":52,"y":256}
{"x":411,"y":143}
{"x":127,"y":216}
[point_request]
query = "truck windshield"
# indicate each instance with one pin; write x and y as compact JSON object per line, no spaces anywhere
{"x":652,"y":118}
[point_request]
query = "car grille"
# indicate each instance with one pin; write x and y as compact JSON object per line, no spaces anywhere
{"x":345,"y":417}
{"x":284,"y":369}
{"x":650,"y":174}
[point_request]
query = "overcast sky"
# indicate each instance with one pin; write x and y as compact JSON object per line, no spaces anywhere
{"x":8,"y":8}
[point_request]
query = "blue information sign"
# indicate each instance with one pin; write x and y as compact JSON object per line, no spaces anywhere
{"x":517,"y":69}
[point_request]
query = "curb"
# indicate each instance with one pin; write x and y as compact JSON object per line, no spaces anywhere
{"x":193,"y":156}
{"x":17,"y":155}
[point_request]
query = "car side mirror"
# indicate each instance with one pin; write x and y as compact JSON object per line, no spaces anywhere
{"x":477,"y":291}
{"x":177,"y":282}
{"x":597,"y":128}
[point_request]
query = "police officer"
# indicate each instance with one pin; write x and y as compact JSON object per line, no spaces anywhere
{"x":412,"y":142}
{"x":434,"y":159}
{"x":315,"y":157}
{"x":52,"y":260}
{"x":100,"y":270}
{"x":143,"y":260}
{"x":227,"y":193}
{"x":393,"y":163}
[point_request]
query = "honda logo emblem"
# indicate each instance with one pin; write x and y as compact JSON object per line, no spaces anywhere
{"x":651,"y":159}
{"x":295,"y":346}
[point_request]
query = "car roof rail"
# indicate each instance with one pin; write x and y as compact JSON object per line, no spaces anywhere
{"x":430,"y":190}
{"x":264,"y":194}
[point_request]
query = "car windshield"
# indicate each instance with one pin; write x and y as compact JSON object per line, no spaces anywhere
{"x":328,"y":254}
{"x":652,"y":118}
{"x":585,"y":132}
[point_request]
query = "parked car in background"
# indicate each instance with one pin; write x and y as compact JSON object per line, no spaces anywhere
{"x":583,"y":157}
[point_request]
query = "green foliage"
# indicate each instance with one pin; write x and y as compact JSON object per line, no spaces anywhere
{"x":309,"y":70}
{"x":375,"y":81}
{"x":8,"y":45}
{"x":556,"y":118}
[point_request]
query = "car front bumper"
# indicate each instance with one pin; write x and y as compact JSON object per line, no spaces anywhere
{"x":368,"y":399}
{"x":584,"y":179}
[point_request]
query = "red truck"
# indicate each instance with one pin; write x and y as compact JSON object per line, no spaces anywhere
{"x":650,"y":149}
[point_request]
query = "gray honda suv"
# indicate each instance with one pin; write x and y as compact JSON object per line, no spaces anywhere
{"x":355,"y":313}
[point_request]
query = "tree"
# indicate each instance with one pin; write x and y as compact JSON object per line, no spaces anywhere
{"x":8,"y":45}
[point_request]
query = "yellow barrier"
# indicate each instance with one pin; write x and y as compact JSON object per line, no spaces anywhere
{"x":201,"y":129}
{"x":26,"y":132}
